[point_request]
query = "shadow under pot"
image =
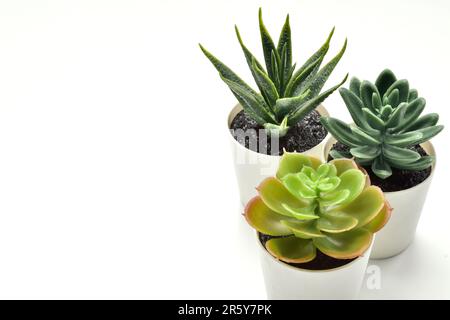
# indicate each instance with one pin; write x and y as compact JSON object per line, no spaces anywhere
{"x":341,"y":280}
{"x":256,"y":156}
{"x":406,"y":204}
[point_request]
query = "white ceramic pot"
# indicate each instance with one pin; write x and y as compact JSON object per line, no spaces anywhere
{"x":252,"y":167}
{"x":407,"y":206}
{"x":285,"y":282}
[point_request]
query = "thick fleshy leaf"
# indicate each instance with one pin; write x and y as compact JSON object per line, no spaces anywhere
{"x":412,"y":113}
{"x":394,"y":98}
{"x":366,"y":152}
{"x":343,"y":165}
{"x":403,"y":89}
{"x":354,"y":181}
{"x":420,"y":164}
{"x":292,"y":162}
{"x":413,"y":95}
{"x":340,"y":131}
{"x":373,"y":120}
{"x":297,"y":187}
{"x":381,"y":168}
{"x":291,"y":249}
{"x":367,"y":90}
{"x":394,"y":154}
{"x":403,"y":139}
{"x":380,"y":220}
{"x":334,"y":198}
{"x":345,"y":245}
{"x":396,"y":116}
{"x":303,"y":229}
{"x":384,"y":81}
{"x":279,"y":199}
{"x":335,"y":222}
{"x":363,"y":137}
{"x":355,"y":86}
{"x":376,"y":101}
{"x":355,"y":106}
{"x":365,"y":207}
{"x":428,"y":120}
{"x":428,"y":133}
{"x":265,"y":220}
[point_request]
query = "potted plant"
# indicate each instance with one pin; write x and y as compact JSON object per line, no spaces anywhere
{"x":282,"y":115}
{"x":315,"y":223}
{"x":389,"y":139}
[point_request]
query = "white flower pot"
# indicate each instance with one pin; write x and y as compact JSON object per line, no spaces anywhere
{"x":286,"y":282}
{"x":252,"y":167}
{"x":407,"y":206}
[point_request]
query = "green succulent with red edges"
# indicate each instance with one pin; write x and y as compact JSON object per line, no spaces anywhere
{"x":312,"y":206}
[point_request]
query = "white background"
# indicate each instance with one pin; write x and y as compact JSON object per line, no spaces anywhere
{"x":116,"y":178}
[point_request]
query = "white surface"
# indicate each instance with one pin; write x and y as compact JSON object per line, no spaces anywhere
{"x":99,"y":197}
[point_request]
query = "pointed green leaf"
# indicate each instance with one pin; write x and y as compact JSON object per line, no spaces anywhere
{"x":268,"y":46}
{"x":420,"y":164}
{"x":266,"y":85}
{"x":402,"y":86}
{"x":403,"y":139}
{"x":340,"y":131}
{"x":394,"y":154}
{"x":367,"y":90}
{"x":304,"y":109}
{"x":373,"y":120}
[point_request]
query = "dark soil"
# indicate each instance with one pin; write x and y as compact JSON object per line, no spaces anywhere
{"x":400,"y":179}
{"x":321,"y":262}
{"x":305,"y":135}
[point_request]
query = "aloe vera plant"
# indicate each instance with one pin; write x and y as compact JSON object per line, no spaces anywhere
{"x":287,"y":94}
{"x":311,"y":205}
{"x":387,"y":123}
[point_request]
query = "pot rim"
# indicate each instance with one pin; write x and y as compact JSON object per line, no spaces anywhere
{"x":237,"y":108}
{"x":427,"y":146}
{"x":308,"y":270}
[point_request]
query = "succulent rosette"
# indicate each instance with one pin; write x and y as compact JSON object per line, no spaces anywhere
{"x":312,"y":206}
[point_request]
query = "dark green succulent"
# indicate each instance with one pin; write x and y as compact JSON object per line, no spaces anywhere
{"x":387,"y":124}
{"x":286,"y":94}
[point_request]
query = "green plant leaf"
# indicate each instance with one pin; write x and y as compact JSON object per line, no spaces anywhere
{"x":377,"y":223}
{"x":279,"y":199}
{"x":365,"y":152}
{"x":301,"y":111}
{"x":367,"y":90}
{"x":317,"y":56}
{"x":284,"y":106}
{"x":303,"y":229}
{"x":412,"y":113}
{"x":384,"y":81}
{"x":420,"y":164}
{"x":336,"y":222}
{"x":403,"y":139}
{"x":365,"y":207}
{"x":355,"y":86}
{"x":266,"y":85}
{"x":428,"y":133}
{"x":396,"y":116}
{"x":252,"y":102}
{"x":293,"y":162}
{"x":364,"y":137}
{"x":343,"y":165}
{"x":396,"y":154}
{"x":413,"y":95}
{"x":264,"y":220}
{"x":352,"y":180}
{"x":297,"y":82}
{"x":291,"y":249}
{"x":345,"y":245}
{"x":403,"y":89}
{"x":381,"y":168}
{"x":373,"y":120}
{"x":340,"y":131}
{"x":284,"y":49}
{"x":428,"y":120}
{"x":318,"y":81}
{"x":268,"y":47}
